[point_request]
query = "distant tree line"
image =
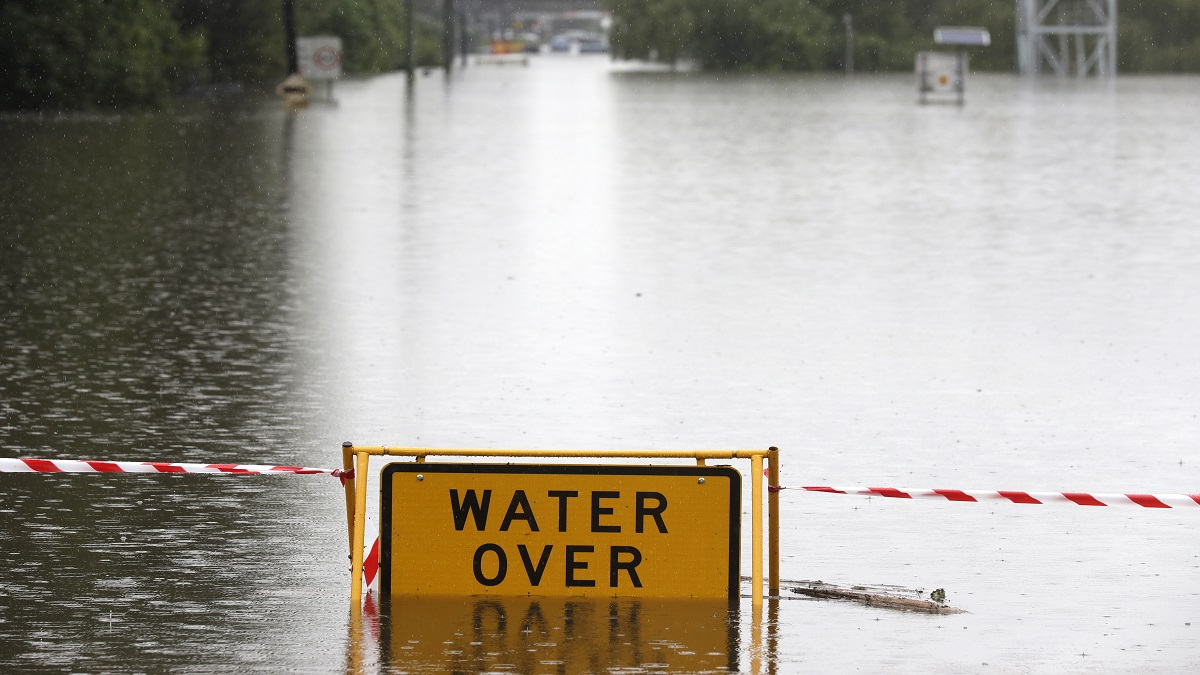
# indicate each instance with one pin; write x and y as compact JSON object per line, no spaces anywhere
{"x":806,"y":35}
{"x":113,"y":53}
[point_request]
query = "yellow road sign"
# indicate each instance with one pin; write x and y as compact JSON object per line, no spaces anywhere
{"x":560,"y":530}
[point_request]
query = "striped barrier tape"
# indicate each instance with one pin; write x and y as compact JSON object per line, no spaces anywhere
{"x":9,"y":465}
{"x":1018,"y":497}
{"x":371,"y":559}
{"x":26,"y":465}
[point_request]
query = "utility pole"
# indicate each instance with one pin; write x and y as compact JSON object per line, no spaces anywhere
{"x":462,"y":37}
{"x":289,"y":29}
{"x":848,"y":21}
{"x":448,"y":35}
{"x":410,"y":46}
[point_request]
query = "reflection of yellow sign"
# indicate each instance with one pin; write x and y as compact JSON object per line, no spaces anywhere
{"x":563,"y":635}
{"x":560,"y":530}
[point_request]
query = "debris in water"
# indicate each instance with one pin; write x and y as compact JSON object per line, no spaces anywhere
{"x":888,"y":597}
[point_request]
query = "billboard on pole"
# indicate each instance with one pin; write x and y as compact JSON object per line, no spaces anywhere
{"x":319,"y":57}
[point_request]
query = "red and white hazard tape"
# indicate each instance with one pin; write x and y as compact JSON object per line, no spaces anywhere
{"x":9,"y":465}
{"x":371,"y":559}
{"x":1016,"y":497}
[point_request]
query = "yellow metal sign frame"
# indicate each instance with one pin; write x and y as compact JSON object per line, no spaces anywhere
{"x":356,"y":462}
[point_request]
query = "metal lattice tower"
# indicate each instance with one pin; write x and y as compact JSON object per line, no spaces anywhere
{"x":1078,"y":36}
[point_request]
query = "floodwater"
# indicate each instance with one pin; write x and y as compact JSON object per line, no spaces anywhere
{"x":573,"y":255}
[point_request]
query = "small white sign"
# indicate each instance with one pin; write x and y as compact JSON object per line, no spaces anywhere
{"x":320,"y":57}
{"x":940,"y":72}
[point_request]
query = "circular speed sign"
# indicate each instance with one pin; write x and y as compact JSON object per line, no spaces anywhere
{"x":326,"y":58}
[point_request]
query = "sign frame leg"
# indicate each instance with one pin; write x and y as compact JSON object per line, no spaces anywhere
{"x":756,"y":518}
{"x":773,"y":518}
{"x":360,"y":512}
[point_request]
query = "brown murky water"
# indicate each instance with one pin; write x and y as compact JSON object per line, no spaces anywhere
{"x":563,"y":256}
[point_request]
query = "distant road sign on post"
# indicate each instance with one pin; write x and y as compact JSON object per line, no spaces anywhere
{"x":941,"y":73}
{"x":319,"y":57}
{"x":946,"y":73}
{"x":560,"y":530}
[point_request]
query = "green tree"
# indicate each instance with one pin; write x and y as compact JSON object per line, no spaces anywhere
{"x":245,"y":40}
{"x":723,"y":34}
{"x":886,"y":34}
{"x":92,"y":53}
{"x":652,"y":31}
{"x":1158,"y":36}
{"x":373,"y":32}
{"x":1153,"y":35}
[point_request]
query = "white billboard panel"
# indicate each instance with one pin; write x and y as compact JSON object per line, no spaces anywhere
{"x":320,"y":57}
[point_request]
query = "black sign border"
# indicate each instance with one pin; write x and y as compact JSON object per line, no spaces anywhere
{"x":735,"y":500}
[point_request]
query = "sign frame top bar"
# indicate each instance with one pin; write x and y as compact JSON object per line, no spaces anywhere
{"x":511,"y":452}
{"x":356,"y":461}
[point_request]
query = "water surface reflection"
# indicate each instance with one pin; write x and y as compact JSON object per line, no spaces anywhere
{"x":558,"y":635}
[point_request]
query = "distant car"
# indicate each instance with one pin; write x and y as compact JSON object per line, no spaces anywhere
{"x":597,"y":45}
{"x":560,"y":43}
{"x":578,"y":41}
{"x":532,"y":43}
